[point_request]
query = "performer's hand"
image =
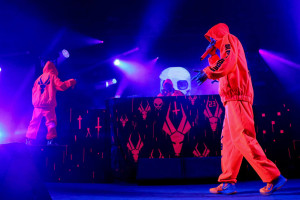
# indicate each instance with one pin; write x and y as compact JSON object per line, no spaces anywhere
{"x":212,"y":47}
{"x":201,"y":77}
{"x":73,"y":83}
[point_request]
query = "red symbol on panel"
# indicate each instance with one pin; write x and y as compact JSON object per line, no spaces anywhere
{"x":98,"y":127}
{"x":175,"y":110}
{"x":134,"y":124}
{"x":88,"y":134}
{"x":213,"y":119}
{"x":198,"y":154}
{"x":158,"y":103}
{"x":160,"y":154}
{"x":192,"y":99}
{"x":177,"y":136}
{"x":123,"y":120}
{"x":143,"y":110}
{"x":79,"y":121}
{"x":135,"y":150}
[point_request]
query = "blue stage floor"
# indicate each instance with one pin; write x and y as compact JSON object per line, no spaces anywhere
{"x":246,"y":190}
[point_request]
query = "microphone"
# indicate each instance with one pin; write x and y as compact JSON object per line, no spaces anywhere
{"x":209,"y":49}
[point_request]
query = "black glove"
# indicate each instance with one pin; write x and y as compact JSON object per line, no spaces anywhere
{"x":201,"y":77}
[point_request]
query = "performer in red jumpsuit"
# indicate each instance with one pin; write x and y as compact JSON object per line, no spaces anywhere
{"x":44,"y":102}
{"x":238,"y":135}
{"x":168,"y":90}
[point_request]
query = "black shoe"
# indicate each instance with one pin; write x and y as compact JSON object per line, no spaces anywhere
{"x":51,"y":142}
{"x":29,"y":141}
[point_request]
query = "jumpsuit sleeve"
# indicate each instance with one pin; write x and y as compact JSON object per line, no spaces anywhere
{"x":213,"y":59}
{"x":226,"y":64}
{"x":62,"y":85}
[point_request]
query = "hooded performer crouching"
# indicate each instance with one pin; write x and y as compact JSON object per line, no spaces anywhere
{"x":44,"y":102}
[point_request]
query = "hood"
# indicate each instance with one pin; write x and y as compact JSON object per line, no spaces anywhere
{"x":168,"y":81}
{"x":50,"y":68}
{"x":217,"y":32}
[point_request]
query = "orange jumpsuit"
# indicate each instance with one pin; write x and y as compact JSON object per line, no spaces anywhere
{"x":238,"y":138}
{"x":44,"y":100}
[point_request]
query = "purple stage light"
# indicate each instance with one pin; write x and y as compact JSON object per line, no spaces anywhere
{"x":0,"y":69}
{"x":117,"y":62}
{"x":130,"y":51}
{"x":153,"y":61}
{"x":93,"y":41}
{"x":65,"y":53}
{"x":2,"y":134}
{"x":122,"y":86}
{"x":285,"y":70}
{"x":271,"y":57}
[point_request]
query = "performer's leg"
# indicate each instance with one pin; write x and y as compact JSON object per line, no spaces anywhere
{"x":34,"y":124}
{"x":231,"y":159}
{"x":51,"y":123}
{"x":241,"y":125}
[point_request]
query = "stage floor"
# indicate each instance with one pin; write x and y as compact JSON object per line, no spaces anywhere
{"x":246,"y":190}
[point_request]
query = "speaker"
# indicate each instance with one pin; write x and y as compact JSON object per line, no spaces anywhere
{"x":19,"y":177}
{"x":178,"y":168}
{"x":167,"y":168}
{"x":206,"y":167}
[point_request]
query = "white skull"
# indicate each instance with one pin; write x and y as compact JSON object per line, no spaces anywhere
{"x":180,"y":78}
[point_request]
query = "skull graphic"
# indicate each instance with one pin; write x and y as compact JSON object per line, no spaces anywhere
{"x":158,"y":103}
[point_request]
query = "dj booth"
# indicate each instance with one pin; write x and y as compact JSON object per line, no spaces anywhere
{"x":157,"y":138}
{"x":180,"y":136}
{"x":146,"y":131}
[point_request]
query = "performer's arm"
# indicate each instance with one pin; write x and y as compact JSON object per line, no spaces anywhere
{"x":226,"y":64}
{"x":63,"y":85}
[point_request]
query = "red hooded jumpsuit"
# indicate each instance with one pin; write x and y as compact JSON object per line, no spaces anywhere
{"x":44,"y":100}
{"x":238,"y":135}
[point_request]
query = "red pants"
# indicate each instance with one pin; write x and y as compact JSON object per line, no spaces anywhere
{"x":38,"y":114}
{"x":238,"y":141}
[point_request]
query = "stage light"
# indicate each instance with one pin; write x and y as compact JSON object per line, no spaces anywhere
{"x":65,"y":53}
{"x":117,"y":62}
{"x":100,"y":42}
{"x":2,"y":134}
{"x":110,"y":82}
{"x":0,"y":69}
{"x":131,"y":51}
